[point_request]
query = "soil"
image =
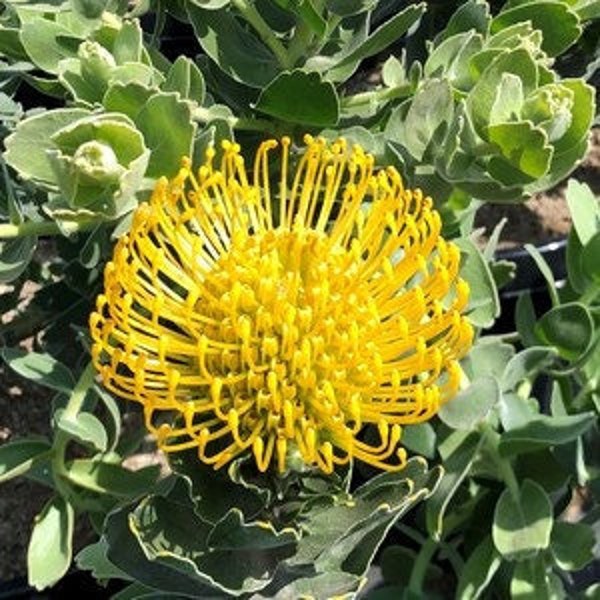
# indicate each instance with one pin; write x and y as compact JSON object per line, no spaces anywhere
{"x":26,"y":408}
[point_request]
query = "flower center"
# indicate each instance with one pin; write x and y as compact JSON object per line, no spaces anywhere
{"x":303,"y":322}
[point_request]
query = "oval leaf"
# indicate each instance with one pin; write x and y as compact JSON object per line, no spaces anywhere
{"x":569,"y":328}
{"x":106,"y":478}
{"x":543,"y":432}
{"x":50,"y":546}
{"x":15,"y":256}
{"x":471,"y":406}
{"x":584,"y":210}
{"x":478,"y":571}
{"x":300,"y":97}
{"x":85,"y":427}
{"x":40,"y":368}
{"x":522,"y":525}
{"x":589,"y":258}
{"x":572,"y":545}
{"x":17,"y":457}
{"x":166,"y":123}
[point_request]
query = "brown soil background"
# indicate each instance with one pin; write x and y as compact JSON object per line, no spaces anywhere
{"x":25,"y":408}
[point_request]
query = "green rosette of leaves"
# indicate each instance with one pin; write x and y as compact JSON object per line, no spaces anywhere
{"x":92,"y":164}
{"x":490,"y":116}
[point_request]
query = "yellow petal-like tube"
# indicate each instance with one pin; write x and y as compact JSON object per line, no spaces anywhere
{"x":280,"y":316}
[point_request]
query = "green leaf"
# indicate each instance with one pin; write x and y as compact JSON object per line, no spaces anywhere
{"x":107,"y":478}
{"x":15,"y":255}
{"x":337,"y":584}
{"x":524,"y":146}
{"x":471,"y":406}
{"x":40,"y":368}
{"x":215,"y":493}
{"x":172,"y":535}
{"x":482,"y":97}
{"x":127,"y":98}
{"x":85,"y":427}
{"x":50,"y":546}
{"x":543,"y":432}
{"x":522,"y":525}
{"x":346,"y":8}
{"x":452,"y":57}
{"x":90,"y":9}
{"x":545,"y":270}
{"x":584,"y":209}
{"x":488,"y":356}
{"x":569,"y":328}
{"x":589,"y":258}
{"x":473,"y":15}
{"x":300,"y":97}
{"x":390,"y":560}
{"x":525,"y":319}
{"x":419,"y":438}
{"x":47,"y":43}
{"x":93,"y":558}
{"x":516,"y":411}
{"x":478,"y":571}
{"x":385,"y":35}
{"x":509,"y":100}
{"x":587,"y":9}
{"x":185,"y":77}
{"x":26,"y":147}
{"x":484,"y":303}
{"x":311,"y":16}
{"x":559,"y":24}
{"x":128,"y":45}
{"x":393,"y":73}
{"x":126,"y":553}
{"x":346,"y":535}
{"x":543,"y":468}
{"x":431,"y":109}
{"x":457,"y":465}
{"x":237,"y":51}
{"x":210,"y":4}
{"x":114,"y":413}
{"x":572,"y":545}
{"x":137,"y":591}
{"x":531,"y":581}
{"x":233,"y":533}
{"x":19,"y":456}
{"x":573,"y":145}
{"x":526,"y":365}
{"x":168,"y":129}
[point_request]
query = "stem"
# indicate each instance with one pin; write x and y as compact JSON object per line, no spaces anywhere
{"x":62,"y":438}
{"x":300,"y":41}
{"x":504,"y":467}
{"x":376,"y":95}
{"x":253,"y":17}
{"x":10,"y":231}
{"x":417,"y":576}
{"x":203,"y":115}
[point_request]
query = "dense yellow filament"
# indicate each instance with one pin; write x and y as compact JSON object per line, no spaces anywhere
{"x":279,"y":318}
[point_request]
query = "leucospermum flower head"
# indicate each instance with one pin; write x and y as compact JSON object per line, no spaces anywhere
{"x":280,"y":316}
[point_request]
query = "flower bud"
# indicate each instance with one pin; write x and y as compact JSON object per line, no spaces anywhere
{"x":98,"y":162}
{"x":96,"y":61}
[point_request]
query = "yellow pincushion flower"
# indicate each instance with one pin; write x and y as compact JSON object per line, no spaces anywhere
{"x":280,"y":316}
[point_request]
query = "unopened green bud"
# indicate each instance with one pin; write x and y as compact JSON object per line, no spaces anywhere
{"x":97,"y":162}
{"x":96,"y":61}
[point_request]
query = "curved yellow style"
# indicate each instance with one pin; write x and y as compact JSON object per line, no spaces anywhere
{"x":279,"y":316}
